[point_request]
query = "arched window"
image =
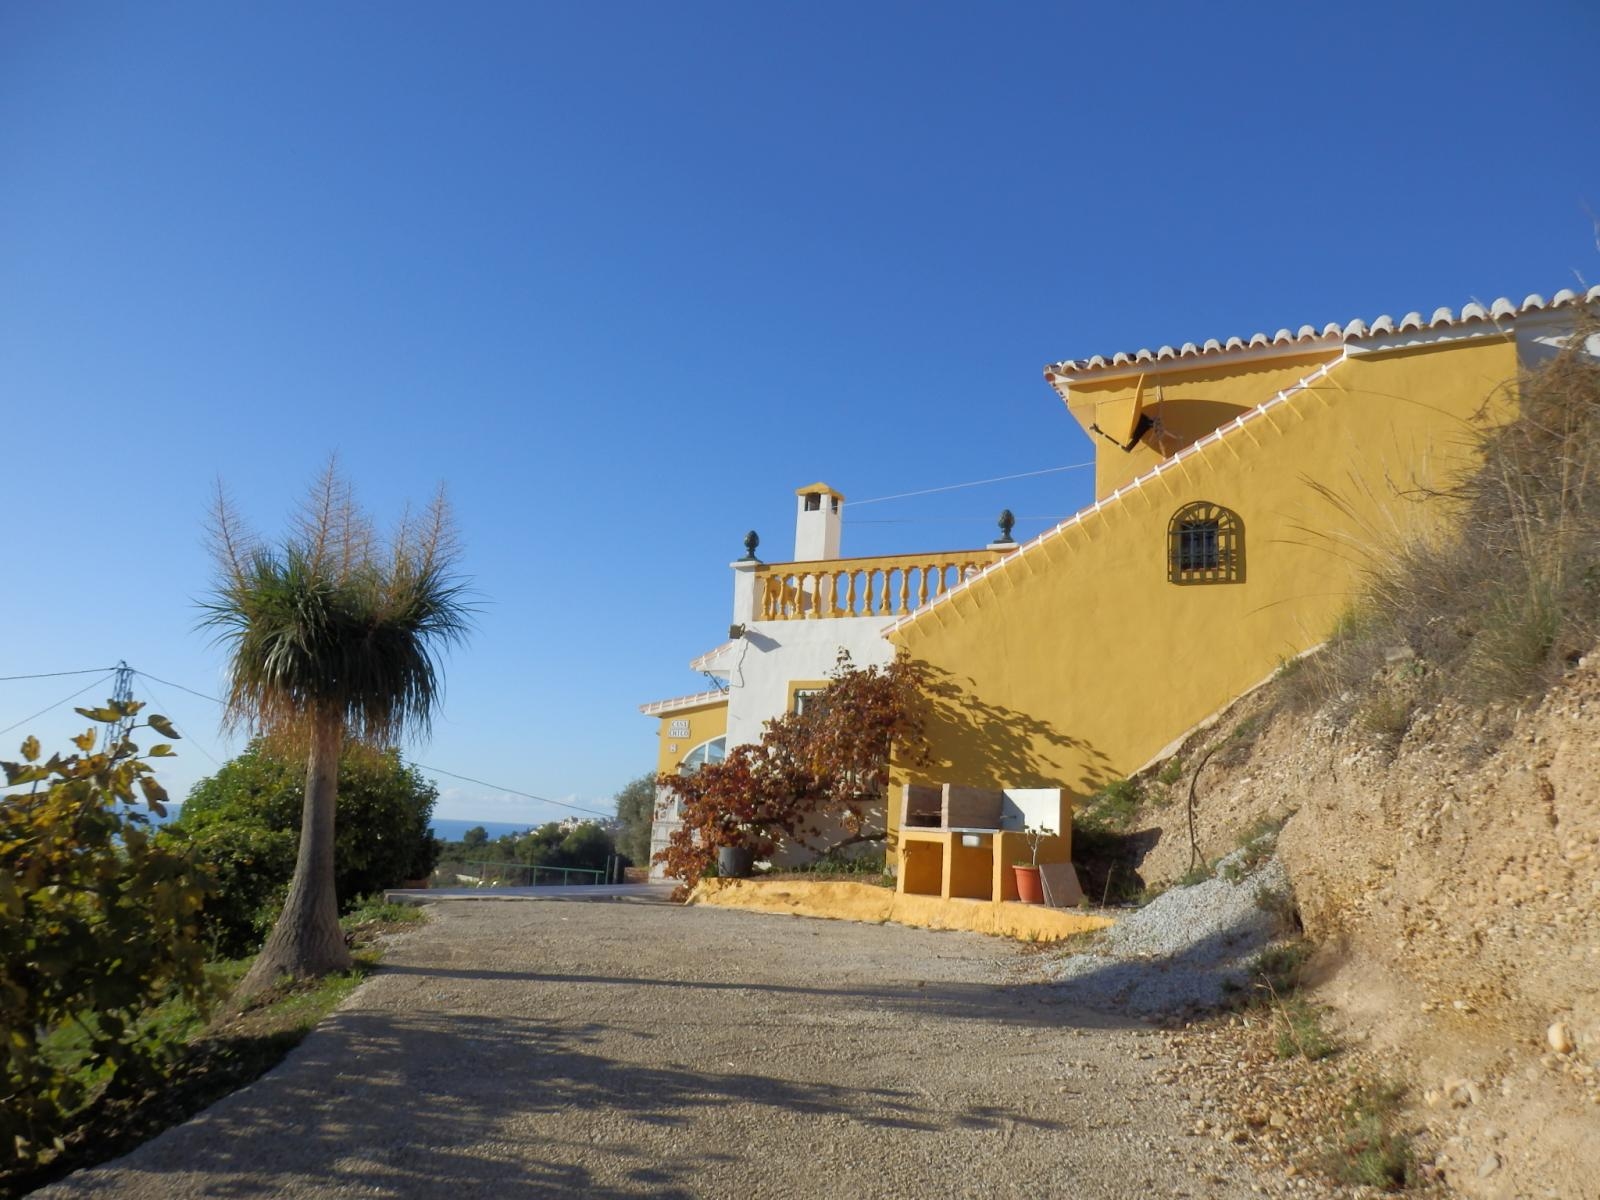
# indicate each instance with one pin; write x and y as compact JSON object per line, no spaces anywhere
{"x":1205,"y":544}
{"x":713,"y":751}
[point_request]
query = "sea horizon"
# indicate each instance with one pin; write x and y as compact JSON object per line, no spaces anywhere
{"x":447,"y":829}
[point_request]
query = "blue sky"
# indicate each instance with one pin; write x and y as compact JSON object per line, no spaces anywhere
{"x":623,"y":276}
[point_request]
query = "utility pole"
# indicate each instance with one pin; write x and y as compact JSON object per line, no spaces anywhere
{"x":121,"y":692}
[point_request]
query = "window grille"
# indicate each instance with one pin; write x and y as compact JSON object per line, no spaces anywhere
{"x":1205,"y":544}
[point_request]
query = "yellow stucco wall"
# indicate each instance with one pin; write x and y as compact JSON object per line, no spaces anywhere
{"x":843,"y":901}
{"x":704,"y":723}
{"x":1077,"y":661}
{"x":1187,"y":404}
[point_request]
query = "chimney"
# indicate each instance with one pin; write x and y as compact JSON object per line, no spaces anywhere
{"x":816,"y":523}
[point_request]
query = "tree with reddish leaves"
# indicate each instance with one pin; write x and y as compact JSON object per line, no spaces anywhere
{"x":825,"y":768}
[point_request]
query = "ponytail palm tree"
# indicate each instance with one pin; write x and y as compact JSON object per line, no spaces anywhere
{"x":331,"y":636}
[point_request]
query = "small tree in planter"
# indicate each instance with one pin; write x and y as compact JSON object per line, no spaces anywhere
{"x":827,"y":765}
{"x":1029,"y":889}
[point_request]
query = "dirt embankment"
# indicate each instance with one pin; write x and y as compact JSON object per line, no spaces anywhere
{"x":1450,"y":873}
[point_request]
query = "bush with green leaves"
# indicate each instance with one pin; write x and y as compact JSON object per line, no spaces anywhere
{"x":636,"y":812}
{"x":587,"y":846}
{"x":99,"y":923}
{"x":244,"y":825}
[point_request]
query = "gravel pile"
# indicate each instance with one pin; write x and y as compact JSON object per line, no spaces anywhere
{"x":1185,"y":950}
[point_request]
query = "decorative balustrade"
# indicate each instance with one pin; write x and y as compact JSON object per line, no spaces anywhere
{"x":890,"y":586}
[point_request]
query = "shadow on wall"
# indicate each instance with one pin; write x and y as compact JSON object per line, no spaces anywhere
{"x":982,"y":744}
{"x":1181,"y":422}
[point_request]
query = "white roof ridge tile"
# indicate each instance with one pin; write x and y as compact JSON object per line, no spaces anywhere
{"x":1334,"y":333}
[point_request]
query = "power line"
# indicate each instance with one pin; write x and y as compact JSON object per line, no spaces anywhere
{"x":594,"y":812}
{"x":421,"y":766}
{"x":180,"y":687}
{"x":198,"y":745}
{"x":57,"y":704}
{"x":952,"y":487}
{"x":56,"y":674}
{"x":942,"y":520}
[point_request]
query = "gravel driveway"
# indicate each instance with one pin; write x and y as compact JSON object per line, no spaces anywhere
{"x":539,"y":1048}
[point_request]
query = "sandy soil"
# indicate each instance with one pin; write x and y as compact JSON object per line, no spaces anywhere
{"x":1451,"y":878}
{"x":514,"y":1050}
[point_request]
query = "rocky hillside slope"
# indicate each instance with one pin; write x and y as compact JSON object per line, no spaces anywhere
{"x":1447,"y":865}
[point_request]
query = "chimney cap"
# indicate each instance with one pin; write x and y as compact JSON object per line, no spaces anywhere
{"x":811,"y":488}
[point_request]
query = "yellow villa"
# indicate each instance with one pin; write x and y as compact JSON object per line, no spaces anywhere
{"x":1238,"y":486}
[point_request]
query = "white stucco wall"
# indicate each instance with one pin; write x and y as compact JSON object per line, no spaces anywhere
{"x":773,"y":654}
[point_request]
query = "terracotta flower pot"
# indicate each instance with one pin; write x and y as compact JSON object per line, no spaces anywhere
{"x":1029,"y":889}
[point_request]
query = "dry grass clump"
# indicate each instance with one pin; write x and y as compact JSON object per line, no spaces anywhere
{"x":1496,"y":602}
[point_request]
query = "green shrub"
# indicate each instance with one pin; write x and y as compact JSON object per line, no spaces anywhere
{"x":250,"y":866}
{"x":99,"y":923}
{"x":636,"y":812}
{"x":1115,"y":805}
{"x":244,"y":826}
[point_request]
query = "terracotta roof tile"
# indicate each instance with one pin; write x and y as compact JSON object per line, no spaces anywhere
{"x":1331,"y":334}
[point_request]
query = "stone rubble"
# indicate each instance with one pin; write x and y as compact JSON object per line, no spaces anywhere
{"x":1187,"y":950}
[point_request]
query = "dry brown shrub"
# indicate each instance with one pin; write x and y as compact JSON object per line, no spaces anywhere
{"x":1498,"y":599}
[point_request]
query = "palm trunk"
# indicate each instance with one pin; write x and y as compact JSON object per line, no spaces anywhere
{"x":307,"y":941}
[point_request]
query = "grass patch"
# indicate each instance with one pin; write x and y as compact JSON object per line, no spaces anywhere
{"x":1257,"y":843}
{"x":1280,"y":970}
{"x":833,"y":866}
{"x":1300,"y":1031}
{"x":1386,"y":715}
{"x":1198,"y":873}
{"x":1279,"y":903}
{"x":374,"y":910}
{"x":1277,"y":975}
{"x":1372,"y":1151}
{"x":206,"y":1061}
{"x":1171,"y":771}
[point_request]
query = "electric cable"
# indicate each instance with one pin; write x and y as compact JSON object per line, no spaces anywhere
{"x":941,"y":520}
{"x":194,"y":741}
{"x":179,"y":686}
{"x":86,"y":687}
{"x":594,"y":812}
{"x":57,"y":674}
{"x":953,"y":487}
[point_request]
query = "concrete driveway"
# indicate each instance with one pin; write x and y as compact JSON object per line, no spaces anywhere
{"x":618,"y":1049}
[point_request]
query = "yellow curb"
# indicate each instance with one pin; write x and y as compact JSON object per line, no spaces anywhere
{"x":843,"y":901}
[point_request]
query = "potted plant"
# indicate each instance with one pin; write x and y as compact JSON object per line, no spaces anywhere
{"x":1029,"y":888}
{"x":735,"y":862}
{"x":736,"y":857}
